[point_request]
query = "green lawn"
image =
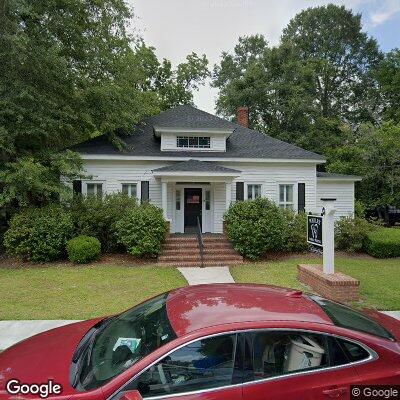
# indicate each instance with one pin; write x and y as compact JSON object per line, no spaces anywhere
{"x":379,"y":279}
{"x":79,"y":292}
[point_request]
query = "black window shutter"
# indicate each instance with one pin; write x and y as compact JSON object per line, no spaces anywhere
{"x":239,"y":191}
{"x":77,"y":186}
{"x":145,"y":191}
{"x":301,"y":197}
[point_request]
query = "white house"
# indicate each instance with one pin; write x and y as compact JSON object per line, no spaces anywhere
{"x":193,"y":165}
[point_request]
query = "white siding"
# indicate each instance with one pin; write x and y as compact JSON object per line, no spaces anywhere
{"x":342,"y":191}
{"x":270,"y":175}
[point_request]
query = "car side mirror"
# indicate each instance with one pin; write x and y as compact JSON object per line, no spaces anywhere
{"x":132,"y":395}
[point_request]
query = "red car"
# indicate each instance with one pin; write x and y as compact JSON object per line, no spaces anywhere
{"x":211,"y":342}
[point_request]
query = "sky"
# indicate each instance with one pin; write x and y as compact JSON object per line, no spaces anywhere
{"x":178,"y":27}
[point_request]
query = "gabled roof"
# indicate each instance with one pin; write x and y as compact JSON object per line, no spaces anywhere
{"x":242,"y":143}
{"x":332,"y":176}
{"x":196,"y":166}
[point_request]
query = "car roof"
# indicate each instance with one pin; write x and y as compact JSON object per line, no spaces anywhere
{"x":202,"y":306}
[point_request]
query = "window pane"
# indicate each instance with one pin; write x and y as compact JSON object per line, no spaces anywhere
{"x":90,"y":188}
{"x":281,"y":353}
{"x":178,"y":200}
{"x":205,"y":364}
{"x":125,"y":188}
{"x":354,"y":351}
{"x":250,"y":192}
{"x":133,"y":190}
{"x":346,"y":317}
{"x":193,"y":142}
{"x":183,"y":141}
{"x":289,"y":193}
{"x":99,"y":191}
{"x":281,"y":193}
{"x":204,"y":142}
{"x":208,"y":200}
{"x":257,"y":191}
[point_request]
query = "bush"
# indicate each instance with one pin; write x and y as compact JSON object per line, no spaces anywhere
{"x":256,"y":227}
{"x":83,"y":249}
{"x":383,"y":243}
{"x":351,"y":233}
{"x":359,"y":209}
{"x":97,"y":216}
{"x":142,"y":230}
{"x":296,"y":231}
{"x":39,"y":234}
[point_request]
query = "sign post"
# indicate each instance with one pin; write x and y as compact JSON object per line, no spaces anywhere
{"x":328,"y":235}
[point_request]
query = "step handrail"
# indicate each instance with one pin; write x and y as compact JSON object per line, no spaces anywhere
{"x":200,"y":241}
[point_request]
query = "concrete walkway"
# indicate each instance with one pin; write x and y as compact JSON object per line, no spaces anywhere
{"x":12,"y":332}
{"x":198,"y":276}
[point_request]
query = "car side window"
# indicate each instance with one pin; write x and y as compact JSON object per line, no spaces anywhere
{"x":277,"y":353}
{"x":354,"y":352}
{"x":204,"y":364}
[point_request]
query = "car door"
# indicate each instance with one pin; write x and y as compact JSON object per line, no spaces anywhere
{"x":285,"y":365}
{"x":204,"y":369}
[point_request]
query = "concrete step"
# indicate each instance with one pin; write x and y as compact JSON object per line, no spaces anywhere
{"x":221,"y":263}
{"x":196,"y":251}
{"x":207,"y":257}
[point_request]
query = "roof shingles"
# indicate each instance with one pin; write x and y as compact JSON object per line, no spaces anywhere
{"x":242,"y":143}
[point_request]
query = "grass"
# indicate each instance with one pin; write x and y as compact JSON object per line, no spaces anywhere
{"x":379,"y":279}
{"x":80,"y":292}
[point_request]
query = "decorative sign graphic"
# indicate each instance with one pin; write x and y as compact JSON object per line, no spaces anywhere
{"x":193,"y":199}
{"x":314,"y":230}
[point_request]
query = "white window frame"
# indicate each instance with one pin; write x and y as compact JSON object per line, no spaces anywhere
{"x":198,"y":147}
{"x":285,"y":203}
{"x":246,"y":189}
{"x":86,"y":183}
{"x":130,"y":190}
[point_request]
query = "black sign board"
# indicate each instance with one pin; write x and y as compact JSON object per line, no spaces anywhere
{"x":314,"y":230}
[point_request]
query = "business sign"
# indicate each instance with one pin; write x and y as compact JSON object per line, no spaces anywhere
{"x":314,"y":230}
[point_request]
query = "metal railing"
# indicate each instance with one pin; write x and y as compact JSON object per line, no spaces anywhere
{"x":201,"y":242}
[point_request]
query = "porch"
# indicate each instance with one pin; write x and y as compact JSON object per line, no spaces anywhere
{"x":193,"y":191}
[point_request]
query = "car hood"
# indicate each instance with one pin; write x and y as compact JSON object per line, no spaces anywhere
{"x":45,"y":356}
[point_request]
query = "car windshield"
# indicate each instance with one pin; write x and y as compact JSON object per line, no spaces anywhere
{"x":346,"y":317}
{"x":122,"y":341}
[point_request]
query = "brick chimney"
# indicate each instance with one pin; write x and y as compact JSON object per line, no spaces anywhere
{"x":242,"y":116}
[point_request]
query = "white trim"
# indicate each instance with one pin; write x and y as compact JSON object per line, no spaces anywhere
{"x":138,"y":187}
{"x":223,"y":159}
{"x":86,"y":182}
{"x":195,"y":173}
{"x":160,"y":129}
{"x":333,"y":179}
{"x":295,"y":194}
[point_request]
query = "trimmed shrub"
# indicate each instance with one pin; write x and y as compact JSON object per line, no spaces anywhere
{"x":383,"y":243}
{"x":142,"y":230}
{"x":256,"y":227}
{"x":39,"y":234}
{"x":97,"y":216}
{"x":296,"y":230}
{"x":83,"y":249}
{"x":350,"y":233}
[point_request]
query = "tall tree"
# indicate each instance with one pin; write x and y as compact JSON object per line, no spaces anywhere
{"x":331,"y":41}
{"x":70,"y":71}
{"x":388,"y":75}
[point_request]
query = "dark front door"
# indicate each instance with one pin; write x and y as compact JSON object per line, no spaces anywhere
{"x":193,"y":203}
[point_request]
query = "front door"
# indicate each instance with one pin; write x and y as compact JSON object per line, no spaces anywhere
{"x":193,"y":207}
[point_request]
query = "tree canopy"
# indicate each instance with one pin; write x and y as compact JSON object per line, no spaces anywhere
{"x":70,"y":71}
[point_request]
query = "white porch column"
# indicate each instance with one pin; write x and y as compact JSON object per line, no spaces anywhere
{"x":164,"y":199}
{"x":328,"y":236}
{"x":228,"y":194}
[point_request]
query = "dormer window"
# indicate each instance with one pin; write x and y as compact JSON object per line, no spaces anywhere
{"x":193,"y":142}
